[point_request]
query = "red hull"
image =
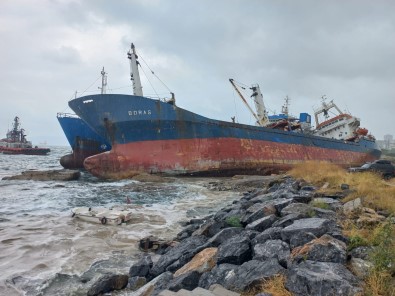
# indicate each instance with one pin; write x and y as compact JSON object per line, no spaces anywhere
{"x":211,"y":156}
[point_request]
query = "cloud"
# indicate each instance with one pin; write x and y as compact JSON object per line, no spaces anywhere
{"x":303,"y":49}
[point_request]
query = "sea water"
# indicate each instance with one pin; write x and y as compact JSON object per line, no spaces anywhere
{"x":45,"y":251}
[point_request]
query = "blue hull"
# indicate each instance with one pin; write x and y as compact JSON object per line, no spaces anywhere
{"x":83,"y":140}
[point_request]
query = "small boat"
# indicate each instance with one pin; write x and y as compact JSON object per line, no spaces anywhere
{"x":114,"y":216}
{"x":16,"y":142}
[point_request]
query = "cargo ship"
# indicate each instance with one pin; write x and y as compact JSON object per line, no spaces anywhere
{"x":83,"y":140}
{"x":16,"y":142}
{"x":156,"y":136}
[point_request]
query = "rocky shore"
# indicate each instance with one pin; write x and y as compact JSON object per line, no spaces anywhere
{"x":50,"y":175}
{"x":280,"y":227}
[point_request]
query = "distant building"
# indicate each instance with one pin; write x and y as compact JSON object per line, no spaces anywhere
{"x":387,"y":143}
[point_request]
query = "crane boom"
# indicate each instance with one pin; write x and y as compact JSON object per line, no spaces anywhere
{"x":244,"y":100}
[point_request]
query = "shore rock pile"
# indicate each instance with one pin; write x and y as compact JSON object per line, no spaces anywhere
{"x":51,"y":175}
{"x":274,"y":229}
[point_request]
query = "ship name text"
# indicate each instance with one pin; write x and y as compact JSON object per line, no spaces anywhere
{"x":139,"y":112}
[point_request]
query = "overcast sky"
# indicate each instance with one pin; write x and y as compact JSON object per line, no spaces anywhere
{"x":304,"y":49}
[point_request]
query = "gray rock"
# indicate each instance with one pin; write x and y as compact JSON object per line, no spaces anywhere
{"x":223,"y":274}
{"x":108,"y":283}
{"x":352,"y":205}
{"x":330,"y":203}
{"x":210,"y":228}
{"x":187,"y":281}
{"x":224,"y":235}
{"x":142,"y":267}
{"x":288,"y":220}
{"x":298,"y":208}
{"x":236,"y":250}
{"x":263,"y":211}
{"x":252,"y":273}
{"x":155,"y":286}
{"x":325,"y":214}
{"x":344,"y":186}
{"x":136,"y":282}
{"x":316,"y":226}
{"x":361,"y":252}
{"x":301,"y":238}
{"x":262,"y":224}
{"x":186,"y":249}
{"x":303,"y":196}
{"x":187,"y":231}
{"x":239,"y":278}
{"x":323,"y":249}
{"x":360,"y":267}
{"x":268,"y":234}
{"x":280,"y":204}
{"x":272,"y":249}
{"x":321,"y":279}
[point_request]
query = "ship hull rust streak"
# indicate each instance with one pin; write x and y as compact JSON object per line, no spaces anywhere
{"x":219,"y":156}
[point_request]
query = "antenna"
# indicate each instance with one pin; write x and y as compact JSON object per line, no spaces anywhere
{"x":103,"y":82}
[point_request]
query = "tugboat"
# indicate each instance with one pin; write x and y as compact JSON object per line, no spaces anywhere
{"x":16,"y":142}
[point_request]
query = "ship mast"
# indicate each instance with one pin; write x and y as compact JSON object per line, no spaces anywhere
{"x":261,"y":118}
{"x":134,"y":72}
{"x":103,"y":82}
{"x":259,"y":105}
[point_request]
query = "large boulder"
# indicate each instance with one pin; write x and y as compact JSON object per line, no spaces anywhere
{"x":301,"y":238}
{"x":108,"y":283}
{"x":142,"y":267}
{"x":202,"y":262}
{"x":240,"y":278}
{"x":263,"y":223}
{"x":316,"y":226}
{"x":325,"y":249}
{"x":272,"y":249}
{"x":224,"y":235}
{"x":268,"y":234}
{"x":181,"y":253}
{"x":252,"y":273}
{"x":263,"y":211}
{"x":221,"y":274}
{"x":187,"y":281}
{"x":235,"y":250}
{"x":298,"y":208}
{"x":155,"y":286}
{"x":311,"y":278}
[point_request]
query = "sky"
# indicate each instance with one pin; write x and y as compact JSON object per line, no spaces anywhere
{"x":343,"y":49}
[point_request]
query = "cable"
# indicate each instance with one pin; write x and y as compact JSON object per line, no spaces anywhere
{"x":91,"y":85}
{"x":149,"y":80}
{"x":154,"y":73}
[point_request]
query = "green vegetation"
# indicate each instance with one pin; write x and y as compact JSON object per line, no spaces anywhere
{"x":320,"y":204}
{"x":233,"y":221}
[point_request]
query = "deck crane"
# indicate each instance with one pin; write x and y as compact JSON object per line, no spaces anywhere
{"x":261,"y":116}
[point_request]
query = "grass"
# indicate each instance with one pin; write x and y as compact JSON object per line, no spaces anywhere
{"x":375,"y":193}
{"x":275,"y":286}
